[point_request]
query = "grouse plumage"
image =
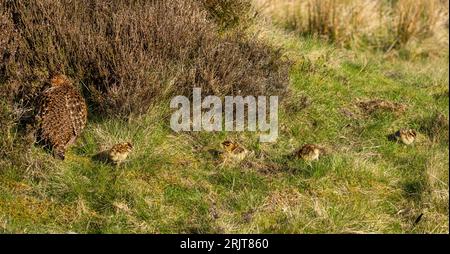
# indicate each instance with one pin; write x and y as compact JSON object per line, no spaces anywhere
{"x":233,"y":152}
{"x":406,"y":136}
{"x":62,"y":115}
{"x":119,"y":152}
{"x":309,"y":152}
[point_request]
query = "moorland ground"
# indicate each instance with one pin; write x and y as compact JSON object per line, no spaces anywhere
{"x":172,"y":183}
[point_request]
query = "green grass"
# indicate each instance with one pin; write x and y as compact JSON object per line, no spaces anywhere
{"x":172,"y":184}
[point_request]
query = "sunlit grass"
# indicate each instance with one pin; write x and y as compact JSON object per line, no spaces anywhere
{"x":173,"y":184}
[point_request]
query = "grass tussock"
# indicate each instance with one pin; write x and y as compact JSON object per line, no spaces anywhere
{"x":384,"y":25}
{"x":436,"y":127}
{"x":372,"y":106}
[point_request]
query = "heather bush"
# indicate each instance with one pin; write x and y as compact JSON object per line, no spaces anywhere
{"x":230,"y":13}
{"x":125,"y":56}
{"x":128,"y":55}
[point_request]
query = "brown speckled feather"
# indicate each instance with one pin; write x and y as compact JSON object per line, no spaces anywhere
{"x":62,"y":117}
{"x":309,"y":152}
{"x":77,"y":111}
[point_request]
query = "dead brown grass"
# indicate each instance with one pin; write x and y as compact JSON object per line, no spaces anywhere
{"x":385,"y":25}
{"x":230,"y":13}
{"x":376,"y":105}
{"x":436,"y":127}
{"x":416,"y":19}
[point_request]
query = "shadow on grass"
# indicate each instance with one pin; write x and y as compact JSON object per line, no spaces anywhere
{"x":415,"y":183}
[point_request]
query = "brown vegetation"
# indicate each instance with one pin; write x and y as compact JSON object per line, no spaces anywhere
{"x":129,"y":54}
{"x":372,"y":106}
{"x":416,"y":25}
